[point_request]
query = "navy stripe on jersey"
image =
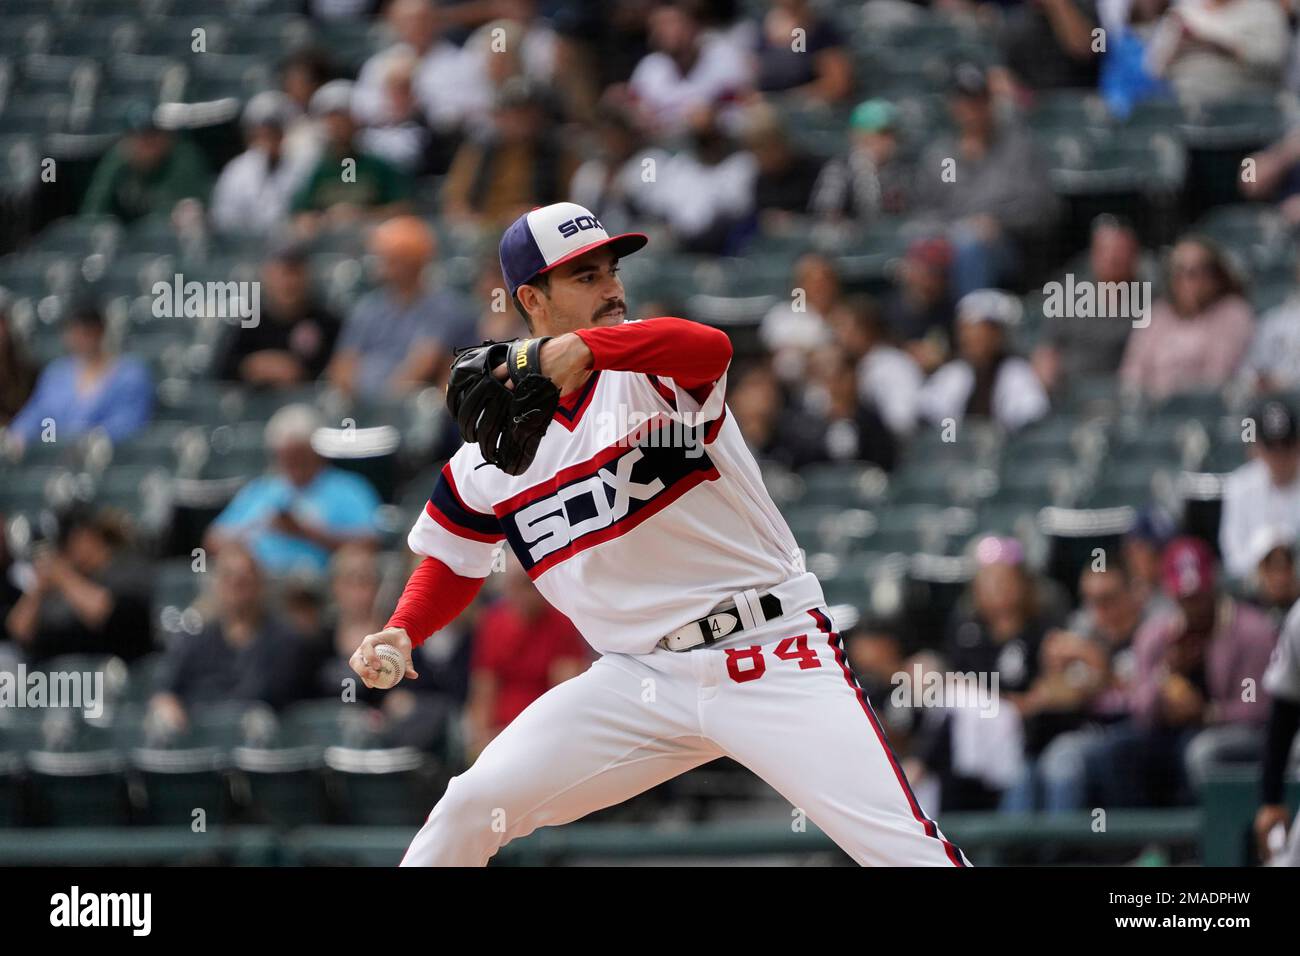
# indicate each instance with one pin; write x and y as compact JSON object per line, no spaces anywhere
{"x":446,"y":503}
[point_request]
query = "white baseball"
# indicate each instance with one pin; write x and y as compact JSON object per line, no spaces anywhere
{"x":391,"y":666}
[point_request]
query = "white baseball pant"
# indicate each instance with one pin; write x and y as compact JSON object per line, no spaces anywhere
{"x":778,"y":699}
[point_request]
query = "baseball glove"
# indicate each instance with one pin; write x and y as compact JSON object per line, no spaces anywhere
{"x":507,"y":424}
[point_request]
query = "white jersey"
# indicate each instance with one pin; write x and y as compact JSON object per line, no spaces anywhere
{"x":642,"y":511}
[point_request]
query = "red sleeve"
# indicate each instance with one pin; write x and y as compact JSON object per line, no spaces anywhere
{"x":689,"y":353}
{"x":433,"y":597}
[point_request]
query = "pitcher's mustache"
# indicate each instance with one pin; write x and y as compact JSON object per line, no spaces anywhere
{"x":612,"y":307}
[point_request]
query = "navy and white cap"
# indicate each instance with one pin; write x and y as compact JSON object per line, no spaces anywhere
{"x":540,"y":240}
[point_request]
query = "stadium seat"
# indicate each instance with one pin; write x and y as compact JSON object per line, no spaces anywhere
{"x":184,"y":772}
{"x":77,"y":773}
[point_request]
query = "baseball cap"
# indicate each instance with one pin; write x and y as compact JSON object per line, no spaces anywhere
{"x":268,"y":108}
{"x":935,"y":252}
{"x":1267,"y":539}
{"x":969,"y":79}
{"x":989,"y":305}
{"x":334,"y":97}
{"x":1187,"y":567}
{"x":871,"y":116}
{"x":542,"y":239}
{"x":1276,"y":424}
{"x":999,"y":549}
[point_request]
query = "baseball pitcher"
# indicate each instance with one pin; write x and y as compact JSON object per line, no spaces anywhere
{"x":602,"y":453}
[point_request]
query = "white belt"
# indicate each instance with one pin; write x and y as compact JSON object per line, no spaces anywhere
{"x":746,"y":610}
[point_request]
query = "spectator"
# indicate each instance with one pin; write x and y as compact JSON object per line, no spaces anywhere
{"x":1187,"y":712}
{"x":1213,"y":50}
{"x":440,"y":80}
{"x":400,"y":336}
{"x":1142,"y":547}
{"x":987,"y":185}
{"x":812,"y":65}
{"x":244,"y":652}
{"x":520,"y":46}
{"x":294,"y":517}
{"x":147,"y":173}
{"x":920,"y":308}
{"x":347,"y":184}
{"x":888,"y":379}
{"x":786,"y":174}
{"x":851,"y":428}
{"x":1126,"y":78}
{"x":1077,"y":347}
{"x":1264,"y":492}
{"x":774,"y":430}
{"x":997,"y":632}
{"x":1198,"y":336}
{"x":1274,"y":586}
{"x":705,"y":192}
{"x":404,"y":139}
{"x":522,"y":648}
{"x":1276,"y":176}
{"x":1086,"y":673}
{"x":292,"y":341}
{"x":793,"y":330}
{"x":87,"y":593}
{"x":253,"y":192}
{"x":302,"y":73}
{"x":86,"y":389}
{"x":17,"y":373}
{"x":522,"y":162}
{"x":871,"y":180}
{"x":986,"y":380}
{"x":613,"y":181}
{"x":687,"y":70}
{"x":1049,"y":45}
{"x":1273,"y":363}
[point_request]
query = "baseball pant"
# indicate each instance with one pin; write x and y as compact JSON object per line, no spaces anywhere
{"x":778,"y":699}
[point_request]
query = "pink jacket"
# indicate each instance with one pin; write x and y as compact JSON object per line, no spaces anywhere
{"x":1239,"y":649}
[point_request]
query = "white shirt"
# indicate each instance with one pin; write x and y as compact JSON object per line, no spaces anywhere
{"x":629,"y":541}
{"x":251,"y":198}
{"x":1275,"y":350}
{"x":1018,"y":395}
{"x":442,"y":86}
{"x":1251,"y":501}
{"x":669,"y":96}
{"x":890,"y":380}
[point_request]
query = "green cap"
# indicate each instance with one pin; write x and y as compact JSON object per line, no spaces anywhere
{"x":872,"y":116}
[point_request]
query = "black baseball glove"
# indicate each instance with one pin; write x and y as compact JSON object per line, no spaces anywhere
{"x":507,"y":424}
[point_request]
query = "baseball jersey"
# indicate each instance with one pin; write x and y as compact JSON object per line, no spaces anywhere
{"x":642,"y":511}
{"x":1282,"y":678}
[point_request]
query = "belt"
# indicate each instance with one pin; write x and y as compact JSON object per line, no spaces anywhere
{"x":747,"y":610}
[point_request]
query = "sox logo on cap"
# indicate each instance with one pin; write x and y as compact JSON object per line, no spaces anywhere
{"x":542,"y":239}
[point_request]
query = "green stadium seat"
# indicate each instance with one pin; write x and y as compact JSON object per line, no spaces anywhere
{"x":77,"y":773}
{"x":848,"y":485}
{"x":24,"y":34}
{"x":181,"y":773}
{"x":37,"y":113}
{"x":395,"y":786}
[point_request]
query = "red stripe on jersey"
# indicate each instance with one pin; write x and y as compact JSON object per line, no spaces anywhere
{"x":931,"y":829}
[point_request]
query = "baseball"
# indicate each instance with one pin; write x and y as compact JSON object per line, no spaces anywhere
{"x":391,"y":666}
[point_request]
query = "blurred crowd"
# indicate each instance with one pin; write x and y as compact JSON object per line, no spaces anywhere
{"x":673,"y":117}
